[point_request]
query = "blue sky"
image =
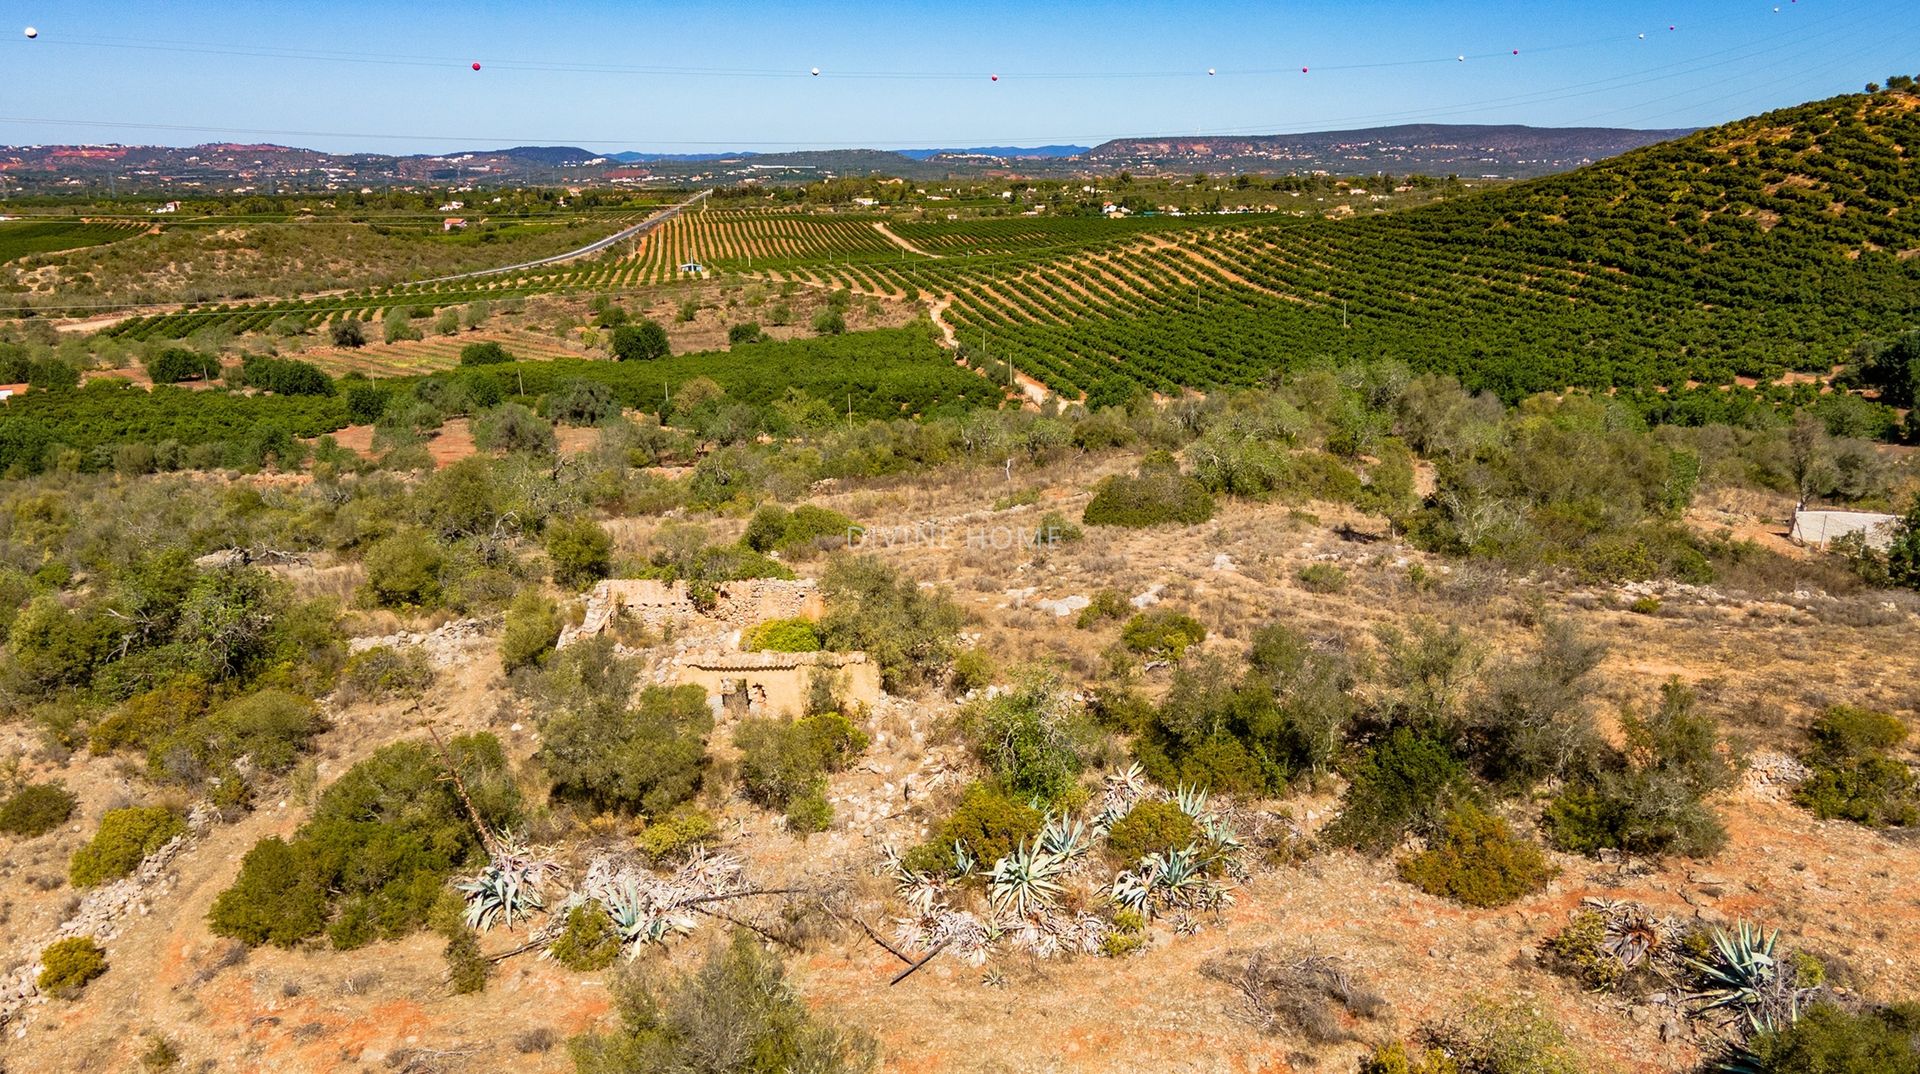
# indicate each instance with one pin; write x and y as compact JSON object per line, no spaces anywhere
{"x":395,"y":77}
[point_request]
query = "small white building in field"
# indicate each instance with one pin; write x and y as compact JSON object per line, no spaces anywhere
{"x":1818,"y":529}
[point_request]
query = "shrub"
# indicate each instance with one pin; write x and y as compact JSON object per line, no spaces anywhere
{"x":1409,"y":783}
{"x":511,"y":427}
{"x":1579,"y":950}
{"x":125,"y":838}
{"x":648,"y":759}
{"x":733,"y":1013}
{"x":349,"y":334}
{"x":803,"y":530}
{"x":589,"y":941}
{"x":175,"y":364}
{"x":383,"y":672}
{"x":403,"y":570}
{"x":581,"y":552}
{"x":67,"y":965}
{"x":531,"y":631}
{"x":1479,"y":861}
{"x":1055,"y":528}
{"x":36,"y":809}
{"x":1650,"y":798}
{"x":907,"y":631}
{"x":745,"y":332}
{"x":488,"y":353}
{"x":1106,"y":604}
{"x":1828,"y":1039}
{"x":988,"y":824}
{"x":373,"y":859}
{"x":829,"y":323}
{"x":809,"y":813}
{"x":782,"y":761}
{"x":1035,"y":739}
{"x":972,"y":670}
{"x":285,"y":376}
{"x":1152,"y":826}
{"x":678,"y":832}
{"x":1493,"y":1038}
{"x":1162,"y":633}
{"x":640,"y":341}
{"x":582,"y":402}
{"x":1322,"y":578}
{"x":1852,"y":776}
{"x":269,"y":729}
{"x":467,"y":968}
{"x":797,"y":635}
{"x":1158,"y":495}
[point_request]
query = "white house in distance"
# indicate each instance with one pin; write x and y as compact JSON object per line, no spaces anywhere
{"x":1821,"y":528}
{"x":453,"y":223}
{"x":169,"y":207}
{"x":693,"y":268}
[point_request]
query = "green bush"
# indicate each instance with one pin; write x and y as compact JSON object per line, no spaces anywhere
{"x":1035,"y":739}
{"x":1322,"y":578}
{"x":641,"y":341}
{"x":734,"y":1013}
{"x":269,"y":729}
{"x":798,"y":532}
{"x":988,"y":823}
{"x":1484,"y":1038}
{"x":1152,"y":826}
{"x":1649,"y":799}
{"x":511,"y":427}
{"x":383,"y":672}
{"x":36,"y":809}
{"x":744,"y":333}
{"x":531,"y":630}
{"x":783,"y":760}
{"x":373,"y":859}
{"x":1158,"y":495}
{"x":488,"y":353}
{"x":403,"y":570}
{"x":125,"y":838}
{"x":581,"y":552}
{"x":871,"y":607}
{"x":1853,"y":777}
{"x":972,"y":670}
{"x":1580,"y":951}
{"x":797,"y":635}
{"x":671,"y":836}
{"x":467,"y":968}
{"x":809,"y":813}
{"x":1162,"y":633}
{"x":1478,"y":860}
{"x":589,"y":941}
{"x":1409,"y":783}
{"x":67,"y":965}
{"x":649,"y":758}
{"x":1828,"y":1039}
{"x":1106,"y":604}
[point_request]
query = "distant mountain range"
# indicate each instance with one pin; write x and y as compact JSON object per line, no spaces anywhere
{"x":1439,"y":149}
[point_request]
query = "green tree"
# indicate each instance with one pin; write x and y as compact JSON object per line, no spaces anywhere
{"x":642,"y":341}
{"x":580,"y":550}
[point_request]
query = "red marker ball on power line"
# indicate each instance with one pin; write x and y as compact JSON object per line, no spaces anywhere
{"x":476,"y":67}
{"x":996,"y":78}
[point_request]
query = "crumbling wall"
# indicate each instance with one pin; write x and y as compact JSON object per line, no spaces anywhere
{"x":737,"y":604}
{"x":776,"y":684}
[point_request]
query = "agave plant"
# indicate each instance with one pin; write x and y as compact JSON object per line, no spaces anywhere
{"x":1633,"y":935}
{"x":1064,"y":837}
{"x":509,"y":888}
{"x":1742,"y":976}
{"x":1192,"y":801}
{"x":1025,"y":880}
{"x":963,"y":862}
{"x":1122,"y":791}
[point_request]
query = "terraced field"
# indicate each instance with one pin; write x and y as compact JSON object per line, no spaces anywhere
{"x":1768,"y":246}
{"x":23,"y":238}
{"x":417,"y":357}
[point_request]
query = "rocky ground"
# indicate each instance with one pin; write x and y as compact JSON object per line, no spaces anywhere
{"x":1764,"y":664}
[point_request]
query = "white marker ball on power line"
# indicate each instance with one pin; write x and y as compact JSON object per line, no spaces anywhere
{"x":1209,"y":72}
{"x":32,"y":33}
{"x":1462,"y":59}
{"x":816,"y":72}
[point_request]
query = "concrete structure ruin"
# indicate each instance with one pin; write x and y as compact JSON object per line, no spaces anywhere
{"x":739,"y":603}
{"x":1821,"y":528}
{"x":738,"y":683}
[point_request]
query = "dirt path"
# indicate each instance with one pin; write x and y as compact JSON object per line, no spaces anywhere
{"x":888,"y":233}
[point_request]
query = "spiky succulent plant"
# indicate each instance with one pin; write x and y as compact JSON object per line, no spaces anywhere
{"x":1064,"y":837}
{"x":1026,"y":880}
{"x":1742,"y":976}
{"x":509,"y":888}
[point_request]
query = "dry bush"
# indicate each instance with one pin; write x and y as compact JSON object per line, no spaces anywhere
{"x":1313,"y":995}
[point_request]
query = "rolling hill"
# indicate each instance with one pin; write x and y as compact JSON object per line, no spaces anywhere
{"x":1505,"y":152}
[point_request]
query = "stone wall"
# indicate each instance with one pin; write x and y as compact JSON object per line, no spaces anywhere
{"x":775,"y":684}
{"x":1821,"y":528}
{"x":738,"y":604}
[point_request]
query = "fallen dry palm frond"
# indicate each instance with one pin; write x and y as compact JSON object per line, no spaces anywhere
{"x":1314,"y":995}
